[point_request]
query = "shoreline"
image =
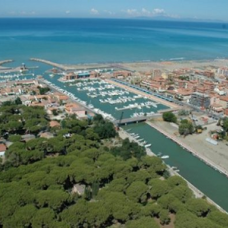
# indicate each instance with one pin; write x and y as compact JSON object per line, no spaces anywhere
{"x":160,"y":64}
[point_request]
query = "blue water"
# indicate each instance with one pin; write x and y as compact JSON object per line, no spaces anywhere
{"x":109,"y":40}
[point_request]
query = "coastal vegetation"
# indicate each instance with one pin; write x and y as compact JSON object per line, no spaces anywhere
{"x":86,"y":176}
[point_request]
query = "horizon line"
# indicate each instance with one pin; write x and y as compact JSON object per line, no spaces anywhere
{"x":124,"y":18}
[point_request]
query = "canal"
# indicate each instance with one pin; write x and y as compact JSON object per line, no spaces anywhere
{"x":208,"y":180}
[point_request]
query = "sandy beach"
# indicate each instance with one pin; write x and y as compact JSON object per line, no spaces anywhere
{"x":141,"y":66}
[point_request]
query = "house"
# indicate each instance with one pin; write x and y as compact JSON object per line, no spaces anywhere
{"x":223,"y":101}
{"x":184,"y":94}
{"x":2,"y":149}
{"x":79,"y":189}
{"x":27,"y":137}
{"x":46,"y":135}
{"x":54,"y":123}
{"x":123,"y":73}
{"x":71,"y":108}
{"x":217,"y":107}
{"x":226,"y":112}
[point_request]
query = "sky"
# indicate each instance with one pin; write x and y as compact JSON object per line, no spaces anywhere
{"x":175,"y":9}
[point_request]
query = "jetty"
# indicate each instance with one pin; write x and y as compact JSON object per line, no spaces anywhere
{"x":57,"y":65}
{"x":5,"y":61}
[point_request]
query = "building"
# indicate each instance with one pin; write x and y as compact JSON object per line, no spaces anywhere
{"x":200,"y":100}
{"x":54,"y":123}
{"x":2,"y":149}
{"x":123,"y":73}
{"x":223,"y":101}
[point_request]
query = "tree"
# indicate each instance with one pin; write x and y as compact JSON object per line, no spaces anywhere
{"x":186,"y":127}
{"x":22,"y":217}
{"x":54,"y":199}
{"x":14,"y":138}
{"x":43,"y":217}
{"x":105,"y":130}
{"x":98,"y":118}
{"x":158,"y":188}
{"x":137,"y":191}
{"x":182,"y":193}
{"x":218,"y":217}
{"x":129,"y":150}
{"x":151,"y":209}
{"x":199,"y":207}
{"x":169,"y":117}
{"x":164,"y":217}
{"x":145,"y":222}
{"x":18,"y":101}
{"x":43,"y":90}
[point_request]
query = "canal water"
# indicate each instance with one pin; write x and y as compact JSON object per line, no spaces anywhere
{"x":208,"y":180}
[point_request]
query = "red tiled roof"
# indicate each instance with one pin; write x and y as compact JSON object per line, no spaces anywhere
{"x":2,"y":147}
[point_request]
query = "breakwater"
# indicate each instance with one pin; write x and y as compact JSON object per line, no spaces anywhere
{"x":5,"y":61}
{"x":57,"y":65}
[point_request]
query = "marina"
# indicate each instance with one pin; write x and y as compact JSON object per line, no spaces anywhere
{"x":109,"y":99}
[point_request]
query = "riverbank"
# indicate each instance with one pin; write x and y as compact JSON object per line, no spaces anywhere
{"x":194,"y":145}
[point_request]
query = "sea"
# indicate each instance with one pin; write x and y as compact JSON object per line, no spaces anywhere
{"x":110,"y":40}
